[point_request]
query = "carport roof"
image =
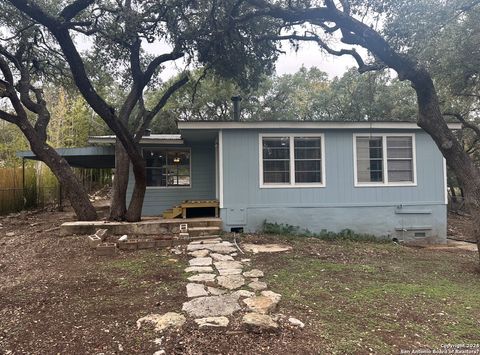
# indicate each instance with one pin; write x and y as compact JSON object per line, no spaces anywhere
{"x":86,"y":157}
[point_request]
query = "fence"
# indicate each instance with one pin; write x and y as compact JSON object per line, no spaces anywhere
{"x":36,"y":186}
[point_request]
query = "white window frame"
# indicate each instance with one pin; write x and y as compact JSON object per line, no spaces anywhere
{"x":292,"y":183}
{"x":385,"y":182}
{"x":171,"y":187}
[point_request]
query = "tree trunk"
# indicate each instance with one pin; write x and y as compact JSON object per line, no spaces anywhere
{"x":476,"y":229}
{"x":118,"y":205}
{"x":74,"y":189}
{"x":134,"y":213}
{"x":453,"y":193}
{"x":431,"y":120}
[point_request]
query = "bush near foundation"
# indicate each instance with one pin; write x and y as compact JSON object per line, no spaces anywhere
{"x":345,"y":234}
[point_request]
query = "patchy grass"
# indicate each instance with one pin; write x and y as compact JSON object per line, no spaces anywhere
{"x":380,"y":298}
{"x":138,"y":269}
{"x":355,"y":297}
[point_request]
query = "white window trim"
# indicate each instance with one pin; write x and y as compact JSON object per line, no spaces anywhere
{"x":220,"y":167}
{"x":172,"y":187}
{"x":292,"y":183}
{"x":445,"y":180}
{"x":385,"y":182}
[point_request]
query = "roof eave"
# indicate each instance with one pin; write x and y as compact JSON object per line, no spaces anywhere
{"x":111,"y":140}
{"x":202,"y":125}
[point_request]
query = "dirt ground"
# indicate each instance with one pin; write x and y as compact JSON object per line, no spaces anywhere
{"x":57,"y":297}
{"x":460,"y":227}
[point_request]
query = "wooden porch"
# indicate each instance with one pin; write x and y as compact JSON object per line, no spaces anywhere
{"x":184,"y":208}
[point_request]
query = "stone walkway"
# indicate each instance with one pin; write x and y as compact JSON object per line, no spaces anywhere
{"x":221,"y":284}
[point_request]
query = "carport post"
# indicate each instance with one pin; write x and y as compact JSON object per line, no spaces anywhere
{"x":23,"y":181}
{"x":60,"y":200}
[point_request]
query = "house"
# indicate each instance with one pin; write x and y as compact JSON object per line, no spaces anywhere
{"x":381,"y":178}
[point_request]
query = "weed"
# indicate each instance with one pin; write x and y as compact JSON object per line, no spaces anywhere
{"x":345,"y":234}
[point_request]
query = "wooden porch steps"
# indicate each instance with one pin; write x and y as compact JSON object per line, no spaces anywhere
{"x":172,"y":212}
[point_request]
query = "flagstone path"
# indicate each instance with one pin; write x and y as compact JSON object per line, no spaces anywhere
{"x":220,"y":287}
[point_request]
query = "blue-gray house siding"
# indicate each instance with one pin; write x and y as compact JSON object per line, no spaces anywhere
{"x":400,"y":212}
{"x":225,"y":166}
{"x":159,"y":199}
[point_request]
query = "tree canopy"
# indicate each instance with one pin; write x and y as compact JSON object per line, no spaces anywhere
{"x":307,"y":94}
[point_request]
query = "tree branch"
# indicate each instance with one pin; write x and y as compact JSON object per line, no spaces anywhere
{"x":23,"y":87}
{"x":462,"y":119}
{"x":17,"y":33}
{"x":362,"y":66}
{"x":9,"y":90}
{"x":160,"y":104}
{"x":7,"y":74}
{"x":77,"y":67}
{"x":9,"y":117}
{"x":72,"y":10}
{"x":155,"y":63}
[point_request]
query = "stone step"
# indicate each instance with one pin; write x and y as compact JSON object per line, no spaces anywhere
{"x":149,"y":226}
{"x":201,"y":237}
{"x":203,"y":231}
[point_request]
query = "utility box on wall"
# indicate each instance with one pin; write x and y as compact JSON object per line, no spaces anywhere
{"x":237,"y":216}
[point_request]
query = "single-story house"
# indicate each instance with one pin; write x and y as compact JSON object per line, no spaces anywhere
{"x":381,"y":178}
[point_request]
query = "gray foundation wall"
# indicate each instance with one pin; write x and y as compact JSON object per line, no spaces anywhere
{"x":424,"y":223}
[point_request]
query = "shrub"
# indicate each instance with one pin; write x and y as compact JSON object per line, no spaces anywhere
{"x":345,"y":234}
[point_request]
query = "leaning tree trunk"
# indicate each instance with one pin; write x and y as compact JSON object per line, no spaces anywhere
{"x":118,"y":209}
{"x":118,"y":205}
{"x":134,"y":212}
{"x":75,"y":191}
{"x":431,"y":120}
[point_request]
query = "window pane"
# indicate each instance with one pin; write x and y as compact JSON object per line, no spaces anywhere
{"x":400,"y":159}
{"x":308,"y":176}
{"x":307,"y":142}
{"x":369,"y":159}
{"x":167,"y":167}
{"x":276,"y":177}
{"x":276,"y":160}
{"x":308,"y":148}
{"x":178,"y":169}
{"x":400,"y":176}
{"x":276,"y":165}
{"x":155,"y":177}
{"x":276,"y":148}
{"x":156,"y":162}
{"x":154,"y":158}
{"x":308,"y":163}
{"x":400,"y":170}
{"x":308,"y":153}
{"x":399,"y":147}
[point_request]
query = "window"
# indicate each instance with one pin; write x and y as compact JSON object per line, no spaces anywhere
{"x":369,"y":159}
{"x":291,"y":160}
{"x":384,"y":160}
{"x":168,"y":167}
{"x":276,"y":160}
{"x":308,"y":159}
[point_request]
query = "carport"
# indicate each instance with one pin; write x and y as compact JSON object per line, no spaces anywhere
{"x":102,"y":157}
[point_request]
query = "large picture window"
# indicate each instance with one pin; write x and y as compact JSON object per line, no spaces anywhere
{"x":291,"y":160}
{"x":168,"y":167}
{"x":384,"y":160}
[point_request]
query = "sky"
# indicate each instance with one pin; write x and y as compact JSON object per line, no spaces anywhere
{"x":309,"y":55}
